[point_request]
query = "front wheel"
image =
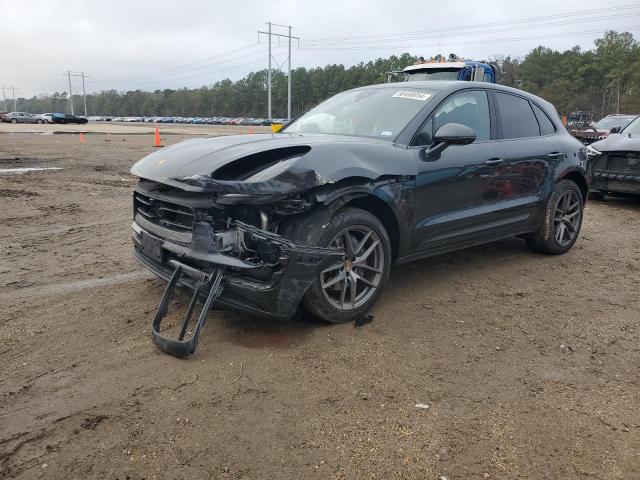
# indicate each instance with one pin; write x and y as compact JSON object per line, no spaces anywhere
{"x":13,"y":120}
{"x":347,"y":289}
{"x":562,"y":221}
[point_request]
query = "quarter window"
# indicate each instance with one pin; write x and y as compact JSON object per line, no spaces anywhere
{"x":469,"y":108}
{"x":546,"y":125}
{"x":516,"y":117}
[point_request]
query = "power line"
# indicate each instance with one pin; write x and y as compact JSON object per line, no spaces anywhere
{"x":476,"y":26}
{"x":463,"y":33}
{"x":186,"y":66}
{"x":439,"y":44}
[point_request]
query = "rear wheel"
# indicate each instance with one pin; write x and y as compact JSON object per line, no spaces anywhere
{"x":562,"y":222}
{"x":39,"y":121}
{"x":13,"y":120}
{"x":347,"y":289}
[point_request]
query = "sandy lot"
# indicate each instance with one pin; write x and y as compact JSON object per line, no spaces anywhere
{"x":529,"y":364}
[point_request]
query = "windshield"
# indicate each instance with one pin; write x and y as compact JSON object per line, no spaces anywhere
{"x":608,"y":123}
{"x":440,"y":74}
{"x":373,"y":112}
{"x":633,"y":128}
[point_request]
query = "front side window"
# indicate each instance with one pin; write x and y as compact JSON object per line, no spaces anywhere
{"x":516,"y":117}
{"x":608,"y":123}
{"x":469,"y":108}
{"x":380,"y":113}
{"x":435,"y":74}
{"x":633,"y":128}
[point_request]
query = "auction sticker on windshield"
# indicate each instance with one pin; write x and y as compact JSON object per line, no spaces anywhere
{"x":413,"y":95}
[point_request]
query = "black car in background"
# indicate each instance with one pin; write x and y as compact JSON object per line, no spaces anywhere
{"x":615,"y":162}
{"x":315,"y":215}
{"x":63,"y":118}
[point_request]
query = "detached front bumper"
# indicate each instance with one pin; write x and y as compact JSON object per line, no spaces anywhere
{"x":266,"y":289}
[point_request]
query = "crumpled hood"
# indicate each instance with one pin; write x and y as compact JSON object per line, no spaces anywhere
{"x":619,"y":142}
{"x":191,"y":164}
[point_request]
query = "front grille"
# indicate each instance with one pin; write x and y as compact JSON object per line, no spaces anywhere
{"x":625,"y":162}
{"x":166,"y":215}
{"x":162,"y":232}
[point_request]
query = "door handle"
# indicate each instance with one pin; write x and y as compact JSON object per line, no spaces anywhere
{"x":494,"y":161}
{"x":555,"y":155}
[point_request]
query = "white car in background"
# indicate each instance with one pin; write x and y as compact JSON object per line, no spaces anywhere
{"x":45,"y":117}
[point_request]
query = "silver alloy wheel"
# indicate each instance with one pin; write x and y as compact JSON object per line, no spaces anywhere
{"x":567,"y":218}
{"x":350,"y":283}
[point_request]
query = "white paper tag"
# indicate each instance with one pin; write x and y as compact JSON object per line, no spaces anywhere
{"x":386,"y":133}
{"x":413,"y":95}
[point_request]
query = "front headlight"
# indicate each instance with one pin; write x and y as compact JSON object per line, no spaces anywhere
{"x":592,"y":151}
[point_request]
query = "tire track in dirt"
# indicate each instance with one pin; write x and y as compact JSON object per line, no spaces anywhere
{"x":71,"y":287}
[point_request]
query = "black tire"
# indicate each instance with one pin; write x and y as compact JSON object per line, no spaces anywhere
{"x":546,"y":240}
{"x":39,"y":121}
{"x":13,"y":120}
{"x":316,"y":230}
{"x":595,"y":195}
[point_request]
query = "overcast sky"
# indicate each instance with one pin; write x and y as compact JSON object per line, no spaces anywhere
{"x":151,"y":44}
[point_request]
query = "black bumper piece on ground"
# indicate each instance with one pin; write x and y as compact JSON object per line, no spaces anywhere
{"x":274,"y":290}
{"x":210,"y":286}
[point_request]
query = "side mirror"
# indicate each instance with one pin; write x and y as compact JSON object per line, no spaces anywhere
{"x":615,"y":130}
{"x":451,"y":134}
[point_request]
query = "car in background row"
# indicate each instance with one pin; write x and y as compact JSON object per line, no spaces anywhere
{"x":601,"y":129}
{"x":45,"y":117}
{"x":190,"y":120}
{"x":21,"y":117}
{"x":63,"y":118}
{"x":615,"y":162}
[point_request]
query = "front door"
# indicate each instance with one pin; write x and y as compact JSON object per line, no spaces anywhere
{"x":449,"y":194}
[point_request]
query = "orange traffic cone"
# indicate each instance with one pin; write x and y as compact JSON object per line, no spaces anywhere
{"x":81,"y":137}
{"x":157,"y":139}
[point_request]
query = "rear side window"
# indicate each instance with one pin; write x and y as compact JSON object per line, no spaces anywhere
{"x":516,"y":117}
{"x":546,"y":125}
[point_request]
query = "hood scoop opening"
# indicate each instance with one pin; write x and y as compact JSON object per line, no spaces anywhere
{"x":246,"y":167}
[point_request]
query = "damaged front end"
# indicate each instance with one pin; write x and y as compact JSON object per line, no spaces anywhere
{"x":212,"y":215}
{"x":193,"y":241}
{"x":265,"y":273}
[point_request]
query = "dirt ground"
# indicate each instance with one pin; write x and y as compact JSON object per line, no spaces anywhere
{"x":529,"y":364}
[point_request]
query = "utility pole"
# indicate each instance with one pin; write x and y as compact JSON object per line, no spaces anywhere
{"x":84,"y":92}
{"x":269,"y":78}
{"x":13,"y":92}
{"x":270,"y":34}
{"x":4,"y":99}
{"x":84,"y":95}
{"x":289,"y":80}
{"x":70,"y":93}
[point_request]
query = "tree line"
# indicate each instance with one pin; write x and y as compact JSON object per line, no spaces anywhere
{"x":602,"y":80}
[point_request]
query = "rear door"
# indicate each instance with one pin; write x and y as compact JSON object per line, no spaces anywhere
{"x":517,"y":184}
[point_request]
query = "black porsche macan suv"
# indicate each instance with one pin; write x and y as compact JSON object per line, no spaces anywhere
{"x":314,"y":216}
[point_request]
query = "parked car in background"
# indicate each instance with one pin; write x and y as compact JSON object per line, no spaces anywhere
{"x":64,"y":118}
{"x":45,"y":117}
{"x":21,"y":117}
{"x":602,"y":128}
{"x":615,"y":162}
